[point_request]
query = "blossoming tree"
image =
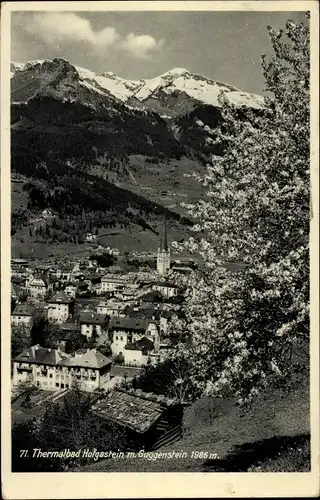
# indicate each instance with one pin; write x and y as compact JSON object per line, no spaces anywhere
{"x":240,"y":329}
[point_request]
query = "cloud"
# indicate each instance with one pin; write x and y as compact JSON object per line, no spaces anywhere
{"x":66,"y":26}
{"x":59,"y":27}
{"x":141,"y":46}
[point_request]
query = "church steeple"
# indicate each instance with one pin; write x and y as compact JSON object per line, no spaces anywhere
{"x":163,"y":256}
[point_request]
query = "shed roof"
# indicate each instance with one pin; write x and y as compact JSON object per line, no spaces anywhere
{"x":129,"y":410}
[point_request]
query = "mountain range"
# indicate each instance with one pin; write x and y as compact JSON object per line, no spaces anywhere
{"x":170,"y":94}
{"x":138,"y":136}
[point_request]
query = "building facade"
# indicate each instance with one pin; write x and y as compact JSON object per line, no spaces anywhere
{"x":36,"y":287}
{"x":138,"y":353}
{"x":93,"y":324}
{"x":126,"y":330}
{"x":53,"y":369}
{"x":60,"y":308}
{"x":112,"y":283}
{"x":168,"y":290}
{"x":22,"y":316}
{"x":110,"y":308}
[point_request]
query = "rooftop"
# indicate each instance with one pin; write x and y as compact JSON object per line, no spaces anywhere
{"x":40,"y":355}
{"x":129,"y":410}
{"x":23,"y":310}
{"x":145,"y":311}
{"x":93,"y":318}
{"x":85,"y":358}
{"x":128,"y":323}
{"x":165,"y":284}
{"x":143,"y":344}
{"x":60,"y":298}
{"x":19,"y":261}
{"x":39,"y":279}
{"x":110,"y":304}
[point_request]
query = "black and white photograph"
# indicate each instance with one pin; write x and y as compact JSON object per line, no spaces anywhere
{"x":161,"y":213}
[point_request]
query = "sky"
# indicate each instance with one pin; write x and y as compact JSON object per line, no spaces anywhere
{"x":223,"y":46}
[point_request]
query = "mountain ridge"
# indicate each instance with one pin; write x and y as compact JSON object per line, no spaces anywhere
{"x":157,"y":94}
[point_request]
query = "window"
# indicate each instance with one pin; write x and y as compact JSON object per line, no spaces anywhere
{"x":50,"y":375}
{"x":116,"y":337}
{"x":121,"y":338}
{"x":57,"y":384}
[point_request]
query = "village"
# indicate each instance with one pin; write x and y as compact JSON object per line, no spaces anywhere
{"x":105,"y":326}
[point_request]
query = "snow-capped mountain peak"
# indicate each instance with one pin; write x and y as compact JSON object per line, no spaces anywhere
{"x":175,"y":72}
{"x":159,"y":93}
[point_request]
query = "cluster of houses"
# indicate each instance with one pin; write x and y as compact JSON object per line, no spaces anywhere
{"x":116,"y":314}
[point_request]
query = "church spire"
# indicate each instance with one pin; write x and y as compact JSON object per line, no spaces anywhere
{"x":163,"y":256}
{"x":164,"y":237}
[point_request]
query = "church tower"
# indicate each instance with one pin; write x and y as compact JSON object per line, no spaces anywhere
{"x":163,"y":255}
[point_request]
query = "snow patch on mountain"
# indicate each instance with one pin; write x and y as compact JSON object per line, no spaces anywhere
{"x":244,"y":99}
{"x":119,"y":87}
{"x":91,"y":87}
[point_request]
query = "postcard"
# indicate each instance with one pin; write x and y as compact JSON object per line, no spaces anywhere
{"x":160,"y":249}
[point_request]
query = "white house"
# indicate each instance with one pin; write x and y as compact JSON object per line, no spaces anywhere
{"x":93,"y":324}
{"x":36,"y":287}
{"x":112,"y":283}
{"x":115,"y":252}
{"x":138,"y":353}
{"x":60,"y":308}
{"x":55,"y":370}
{"x":91,"y":237}
{"x":125,"y":330}
{"x":70,"y":291}
{"x":110,"y":308}
{"x":22,"y":316}
{"x":166,"y":289}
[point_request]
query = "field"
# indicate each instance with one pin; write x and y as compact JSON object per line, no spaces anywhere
{"x":165,"y":182}
{"x":134,"y":240}
{"x":271,"y":435}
